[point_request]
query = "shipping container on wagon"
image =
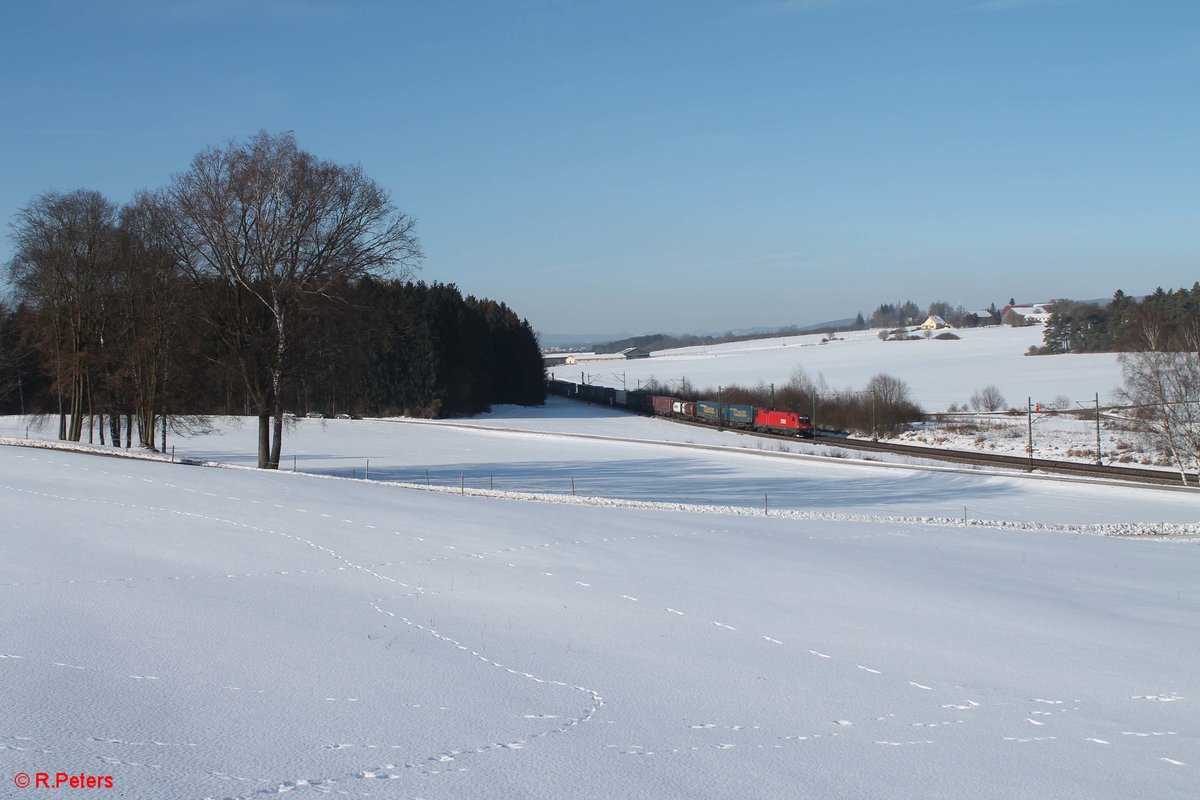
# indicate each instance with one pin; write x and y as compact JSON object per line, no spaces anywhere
{"x":735,"y":414}
{"x":639,"y":401}
{"x":597,"y":394}
{"x":707,"y":409}
{"x":621,"y":397}
{"x":558,"y":387}
{"x":663,"y":404}
{"x":683,"y":408}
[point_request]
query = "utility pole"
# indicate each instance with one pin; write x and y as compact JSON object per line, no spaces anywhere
{"x":720,"y":420}
{"x":1099,"y":461}
{"x":772,"y":395}
{"x":1029,"y":412}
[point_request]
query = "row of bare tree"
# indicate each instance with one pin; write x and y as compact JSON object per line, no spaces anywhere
{"x":883,"y":406}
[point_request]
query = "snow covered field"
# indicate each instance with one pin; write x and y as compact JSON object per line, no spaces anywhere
{"x":937,"y":372}
{"x":201,"y":632}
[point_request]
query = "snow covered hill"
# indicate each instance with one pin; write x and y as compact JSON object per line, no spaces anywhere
{"x":205,"y":632}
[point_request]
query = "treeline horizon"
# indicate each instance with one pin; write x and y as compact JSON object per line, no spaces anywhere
{"x":886,"y":315}
{"x":261,"y":280}
{"x":1161,"y":321}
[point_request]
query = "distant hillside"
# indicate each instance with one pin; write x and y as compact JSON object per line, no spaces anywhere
{"x":668,"y":341}
{"x":575,"y":341}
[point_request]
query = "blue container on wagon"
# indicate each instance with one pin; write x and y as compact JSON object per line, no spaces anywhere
{"x":734,"y":414}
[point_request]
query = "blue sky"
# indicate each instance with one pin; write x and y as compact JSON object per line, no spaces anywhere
{"x":636,"y":166}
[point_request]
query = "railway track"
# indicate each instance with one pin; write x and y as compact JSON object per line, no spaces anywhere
{"x":1079,"y":469}
{"x":1043,"y":465}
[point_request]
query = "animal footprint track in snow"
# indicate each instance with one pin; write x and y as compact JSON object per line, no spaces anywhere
{"x":143,"y":744}
{"x":971,"y":705}
{"x":118,"y":762}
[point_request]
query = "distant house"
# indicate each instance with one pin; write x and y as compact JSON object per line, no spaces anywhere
{"x":587,"y":358}
{"x":934,"y":323}
{"x":630,"y":353}
{"x":1031,"y":312}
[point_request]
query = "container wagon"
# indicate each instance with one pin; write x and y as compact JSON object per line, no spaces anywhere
{"x":737,"y":416}
{"x":663,"y":406}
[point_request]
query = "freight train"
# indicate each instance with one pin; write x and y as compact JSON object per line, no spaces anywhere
{"x":713,"y":412}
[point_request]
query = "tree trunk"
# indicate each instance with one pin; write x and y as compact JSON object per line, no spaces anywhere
{"x":277,"y":443}
{"x":277,"y":384}
{"x":264,"y":441}
{"x":146,"y":428}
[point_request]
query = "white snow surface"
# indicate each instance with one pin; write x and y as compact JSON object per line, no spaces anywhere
{"x":205,"y":632}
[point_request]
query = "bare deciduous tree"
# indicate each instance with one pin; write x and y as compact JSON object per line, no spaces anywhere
{"x":274,"y":227}
{"x":63,"y":267}
{"x":989,"y":398}
{"x":1162,"y":382}
{"x":154,"y":316}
